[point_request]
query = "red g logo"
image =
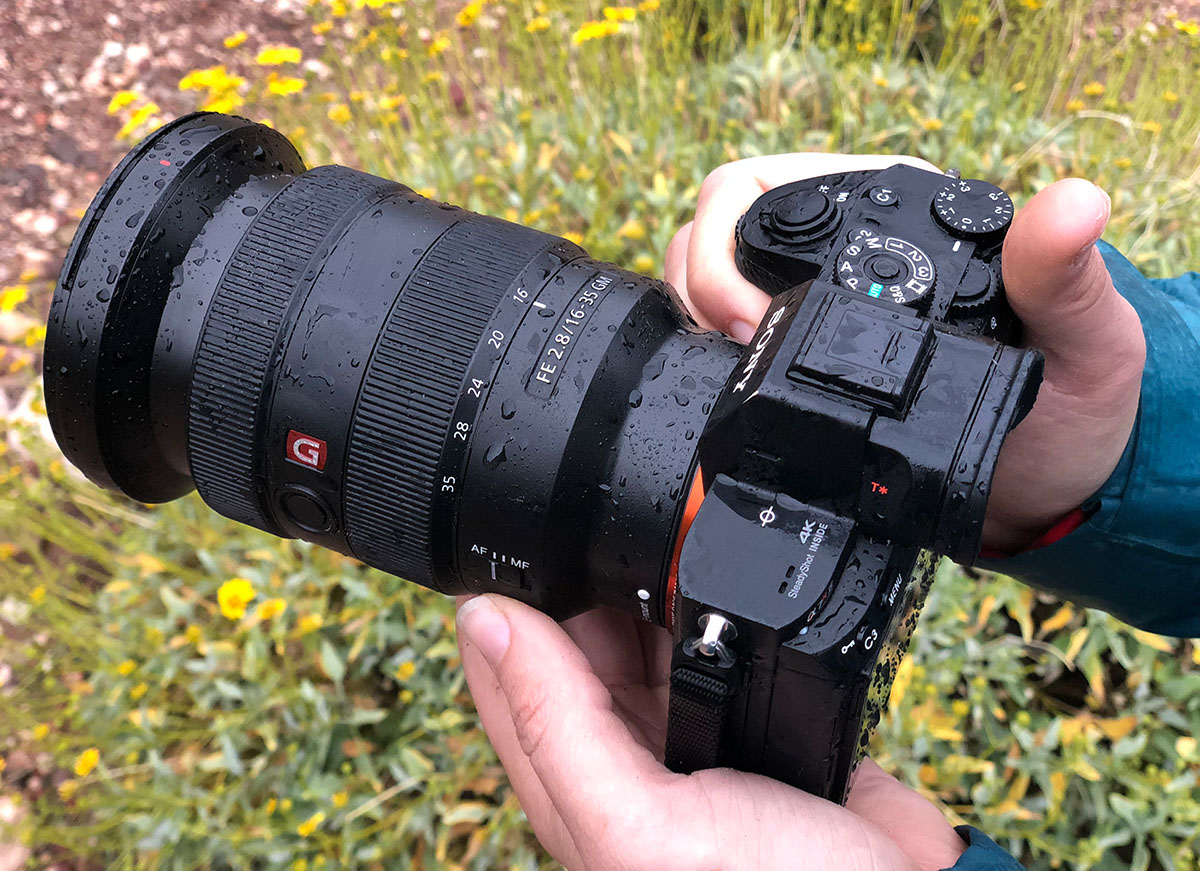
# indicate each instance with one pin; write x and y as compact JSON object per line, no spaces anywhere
{"x":306,"y":450}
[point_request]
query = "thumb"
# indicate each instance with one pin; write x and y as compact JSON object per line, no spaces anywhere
{"x":1059,"y":287}
{"x":582,"y":777}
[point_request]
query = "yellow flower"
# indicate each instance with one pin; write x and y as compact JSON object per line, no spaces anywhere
{"x":309,"y":623}
{"x":193,"y":634}
{"x":1018,"y":87}
{"x":970,"y":20}
{"x":270,"y":609}
{"x":37,"y":594}
{"x":66,"y":789}
{"x":392,"y":102}
{"x":137,"y":119}
{"x":339,"y":114}
{"x":577,"y":238}
{"x":120,"y":100}
{"x":1094,"y":89}
{"x":538,"y":24}
{"x":37,"y":335}
{"x":595,"y":30}
{"x":1032,"y":4}
{"x":866,"y":47}
{"x":126,"y":668}
{"x":649,"y":5}
{"x":1170,"y":96}
{"x":633,"y":230}
{"x":210,"y":78}
{"x":271,"y":805}
{"x":86,"y":762}
{"x":275,"y":55}
{"x":225,"y":103}
{"x":620,"y":13}
{"x":1191,"y":28}
{"x":235,"y":39}
{"x":1074,"y":105}
{"x":932,"y":124}
{"x":438,"y":46}
{"x":405,"y":670}
{"x":233,"y":597}
{"x":309,"y":826}
{"x":300,"y":864}
{"x":40,"y":731}
{"x":643,"y":263}
{"x":467,"y":15}
{"x":285,"y":805}
{"x":1152,"y":127}
{"x":1123,"y":163}
{"x":285,"y":85}
{"x":138,"y":691}
{"x":322,"y":27}
{"x":339,"y":799}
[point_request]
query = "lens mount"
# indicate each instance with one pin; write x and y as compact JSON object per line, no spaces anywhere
{"x":116,"y":279}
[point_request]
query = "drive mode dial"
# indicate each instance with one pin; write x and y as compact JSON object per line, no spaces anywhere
{"x":972,"y":209}
{"x":885,"y":267}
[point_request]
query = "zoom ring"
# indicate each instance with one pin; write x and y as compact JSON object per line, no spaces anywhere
{"x":242,"y":333}
{"x":412,"y":385}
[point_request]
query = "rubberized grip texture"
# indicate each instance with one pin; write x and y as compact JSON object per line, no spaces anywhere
{"x":245,"y":324}
{"x":413,"y":383}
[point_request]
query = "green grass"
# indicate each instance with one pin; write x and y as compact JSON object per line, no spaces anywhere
{"x":1061,"y":732}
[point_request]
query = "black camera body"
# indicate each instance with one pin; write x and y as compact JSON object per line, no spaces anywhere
{"x":478,"y":407}
{"x":856,"y":438}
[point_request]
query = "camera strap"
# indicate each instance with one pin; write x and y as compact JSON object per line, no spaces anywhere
{"x":695,"y":719}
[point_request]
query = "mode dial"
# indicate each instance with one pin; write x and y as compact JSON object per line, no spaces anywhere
{"x":972,"y":209}
{"x":885,"y":267}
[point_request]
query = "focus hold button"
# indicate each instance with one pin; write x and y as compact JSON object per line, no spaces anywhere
{"x":306,"y":509}
{"x":866,"y":351}
{"x":802,"y":213}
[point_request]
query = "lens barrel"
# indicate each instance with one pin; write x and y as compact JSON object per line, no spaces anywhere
{"x":467,"y":403}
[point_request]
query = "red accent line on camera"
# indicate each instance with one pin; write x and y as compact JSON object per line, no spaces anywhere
{"x":695,"y":497}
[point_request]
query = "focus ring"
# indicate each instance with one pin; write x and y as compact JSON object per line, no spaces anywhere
{"x":242,"y":332}
{"x":412,"y":384}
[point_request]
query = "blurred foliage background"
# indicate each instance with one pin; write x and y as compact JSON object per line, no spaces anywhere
{"x":202,"y":695}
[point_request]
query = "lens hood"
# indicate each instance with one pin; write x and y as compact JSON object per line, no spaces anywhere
{"x":118,"y":274}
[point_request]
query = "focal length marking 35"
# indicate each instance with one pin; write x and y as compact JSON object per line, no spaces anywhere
{"x":478,"y":406}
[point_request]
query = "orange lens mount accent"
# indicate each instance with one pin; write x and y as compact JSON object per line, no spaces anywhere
{"x":694,"y":498}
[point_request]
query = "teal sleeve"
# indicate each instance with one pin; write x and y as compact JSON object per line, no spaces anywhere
{"x":982,"y":853}
{"x":1137,"y":555}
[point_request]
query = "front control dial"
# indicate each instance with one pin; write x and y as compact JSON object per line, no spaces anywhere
{"x":972,"y":209}
{"x":885,"y":267}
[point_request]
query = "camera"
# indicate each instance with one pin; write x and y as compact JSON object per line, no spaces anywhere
{"x":477,"y":406}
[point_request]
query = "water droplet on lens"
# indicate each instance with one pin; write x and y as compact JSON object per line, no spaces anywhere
{"x":680,"y":399}
{"x":249,"y":211}
{"x":132,"y":220}
{"x":654,"y":367}
{"x":635,"y":398}
{"x":508,"y":409}
{"x":494,"y":455}
{"x":113,"y":270}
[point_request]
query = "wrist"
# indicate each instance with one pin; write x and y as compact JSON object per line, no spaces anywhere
{"x":1006,"y":542}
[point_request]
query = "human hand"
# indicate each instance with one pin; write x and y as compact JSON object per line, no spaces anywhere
{"x":1057,"y":285}
{"x":577,"y":714}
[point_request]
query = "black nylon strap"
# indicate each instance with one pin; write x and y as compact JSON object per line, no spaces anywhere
{"x":695,"y":719}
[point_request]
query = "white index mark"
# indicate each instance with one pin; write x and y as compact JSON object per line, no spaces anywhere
{"x":539,"y":304}
{"x":957,"y":245}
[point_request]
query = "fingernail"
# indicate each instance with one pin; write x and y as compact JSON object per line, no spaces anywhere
{"x":741,"y":331}
{"x":1107,"y":209}
{"x":485,"y":627}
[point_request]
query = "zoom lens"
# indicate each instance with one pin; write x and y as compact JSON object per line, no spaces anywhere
{"x":464,"y":402}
